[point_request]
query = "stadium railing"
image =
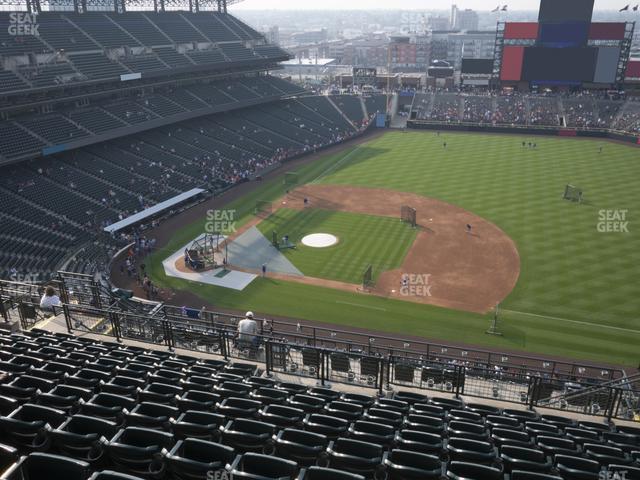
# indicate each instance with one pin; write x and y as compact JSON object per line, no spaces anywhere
{"x":311,"y":353}
{"x":524,"y":129}
{"x":375,"y":368}
{"x":364,"y":342}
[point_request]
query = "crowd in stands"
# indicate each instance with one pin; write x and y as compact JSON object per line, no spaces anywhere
{"x":446,"y":108}
{"x":81,"y":192}
{"x":629,"y":119}
{"x":577,"y":110}
{"x":478,"y":110}
{"x":510,"y":109}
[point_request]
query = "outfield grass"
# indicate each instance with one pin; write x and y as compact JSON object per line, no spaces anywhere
{"x":577,"y":295}
{"x":362,"y":240}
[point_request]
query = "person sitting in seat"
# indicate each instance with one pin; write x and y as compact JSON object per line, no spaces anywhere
{"x":50,"y":300}
{"x":248,"y":330}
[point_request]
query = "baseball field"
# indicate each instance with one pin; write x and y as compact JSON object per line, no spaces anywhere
{"x":572,"y":290}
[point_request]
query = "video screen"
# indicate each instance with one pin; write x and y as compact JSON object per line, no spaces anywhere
{"x":559,"y":64}
{"x":478,"y":66}
{"x":560,"y":35}
{"x":554,"y":11}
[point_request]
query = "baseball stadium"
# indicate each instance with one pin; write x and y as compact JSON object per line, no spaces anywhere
{"x":210,"y":270}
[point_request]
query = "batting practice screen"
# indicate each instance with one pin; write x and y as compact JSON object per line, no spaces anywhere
{"x":367,"y":276}
{"x":408,"y":215}
{"x":263,"y":206}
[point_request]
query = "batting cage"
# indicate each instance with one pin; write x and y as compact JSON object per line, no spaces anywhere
{"x":263,"y":207}
{"x":290,"y":178}
{"x":408,"y":215}
{"x":206,"y":252}
{"x":572,"y":193}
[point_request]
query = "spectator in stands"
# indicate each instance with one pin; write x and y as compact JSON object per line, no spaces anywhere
{"x":50,"y":300}
{"x":248,"y":330}
{"x":267,"y":327}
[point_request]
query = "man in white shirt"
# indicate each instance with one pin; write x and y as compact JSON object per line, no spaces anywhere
{"x":248,"y":329}
{"x":50,"y":300}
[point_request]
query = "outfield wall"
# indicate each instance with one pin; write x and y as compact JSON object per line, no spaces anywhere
{"x":548,"y":131}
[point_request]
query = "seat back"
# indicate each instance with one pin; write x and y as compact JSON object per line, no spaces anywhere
{"x":357,"y":448}
{"x":320,"y":473}
{"x":85,"y":425}
{"x":567,"y":462}
{"x":303,"y":438}
{"x":268,"y":466}
{"x":38,"y":466}
{"x":471,"y":471}
{"x":111,"y":475}
{"x":206,"y":452}
{"x":416,"y":460}
{"x":526,"y":475}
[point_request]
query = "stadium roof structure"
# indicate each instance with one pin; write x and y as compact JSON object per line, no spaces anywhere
{"x":118,"y":6}
{"x":151,"y":212}
{"x":308,"y":62}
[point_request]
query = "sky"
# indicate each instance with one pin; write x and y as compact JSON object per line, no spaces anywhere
{"x":407,"y":4}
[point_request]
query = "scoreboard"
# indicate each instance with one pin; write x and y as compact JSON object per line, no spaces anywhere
{"x":564,"y":47}
{"x":364,"y":76}
{"x":562,"y":11}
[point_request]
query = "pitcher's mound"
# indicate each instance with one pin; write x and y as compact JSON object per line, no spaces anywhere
{"x":319,"y":240}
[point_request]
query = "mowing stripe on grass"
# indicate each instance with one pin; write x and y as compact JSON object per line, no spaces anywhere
{"x":370,"y":307}
{"x":335,"y":165}
{"x":598,"y":325}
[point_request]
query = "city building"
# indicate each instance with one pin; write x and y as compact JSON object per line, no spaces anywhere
{"x":273,"y":34}
{"x":410,"y":52}
{"x":470,"y":44}
{"x":310,"y":36}
{"x":440,"y":44}
{"x":467,"y":20}
{"x":311,"y":70}
{"x":464,"y":19}
{"x":369,"y":52}
{"x":439,"y":23}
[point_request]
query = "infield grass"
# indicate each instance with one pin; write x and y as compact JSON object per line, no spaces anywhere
{"x":578,"y":294}
{"x":362,"y":240}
